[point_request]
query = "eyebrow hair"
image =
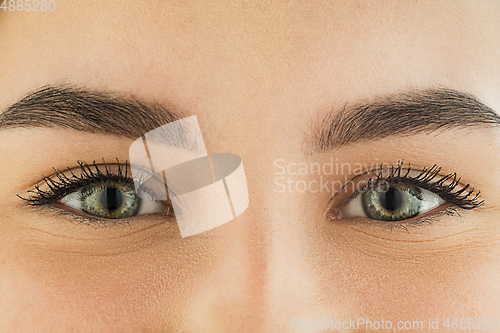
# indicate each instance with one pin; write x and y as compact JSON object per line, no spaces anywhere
{"x":410,"y":113}
{"x":86,"y":110}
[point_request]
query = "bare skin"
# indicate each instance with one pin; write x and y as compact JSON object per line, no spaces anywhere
{"x":257,"y":75}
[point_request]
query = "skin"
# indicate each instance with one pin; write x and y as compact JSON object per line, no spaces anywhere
{"x":257,"y":75}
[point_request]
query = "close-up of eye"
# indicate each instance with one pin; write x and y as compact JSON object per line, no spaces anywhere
{"x":398,"y":194}
{"x":112,"y":201}
{"x":96,"y":194}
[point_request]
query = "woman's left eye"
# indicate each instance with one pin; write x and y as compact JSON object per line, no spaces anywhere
{"x":391,"y":202}
{"x":111,"y":201}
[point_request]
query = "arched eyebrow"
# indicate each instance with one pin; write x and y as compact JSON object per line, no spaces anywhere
{"x":409,"y":113}
{"x":88,"y":111}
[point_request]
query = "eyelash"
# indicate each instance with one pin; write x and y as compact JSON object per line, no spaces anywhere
{"x":429,"y":179}
{"x":463,"y":198}
{"x":61,"y":185}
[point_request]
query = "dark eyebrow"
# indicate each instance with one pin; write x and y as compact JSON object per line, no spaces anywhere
{"x":410,"y":113}
{"x":86,"y":110}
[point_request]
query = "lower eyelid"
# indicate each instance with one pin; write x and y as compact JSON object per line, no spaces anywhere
{"x":146,"y":207}
{"x":425,"y":219}
{"x":80,"y":217}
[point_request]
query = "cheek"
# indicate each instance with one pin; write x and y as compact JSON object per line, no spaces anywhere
{"x":440,"y":287}
{"x":144,"y":290}
{"x":385,"y":282}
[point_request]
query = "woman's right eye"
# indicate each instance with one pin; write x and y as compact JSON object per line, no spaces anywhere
{"x":113,"y":200}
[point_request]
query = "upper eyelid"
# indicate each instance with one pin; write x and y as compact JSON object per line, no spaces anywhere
{"x":59,"y":181}
{"x":371,"y":171}
{"x":403,"y":175}
{"x":77,"y":171}
{"x":363,"y":175}
{"x":73,"y":179}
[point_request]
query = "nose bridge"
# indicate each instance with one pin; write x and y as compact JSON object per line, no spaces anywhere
{"x":258,"y":281}
{"x":260,"y":278}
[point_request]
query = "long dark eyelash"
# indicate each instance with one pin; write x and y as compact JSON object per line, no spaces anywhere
{"x":61,"y":185}
{"x":429,"y":179}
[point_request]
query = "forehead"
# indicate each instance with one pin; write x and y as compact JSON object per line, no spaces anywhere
{"x":235,"y":53}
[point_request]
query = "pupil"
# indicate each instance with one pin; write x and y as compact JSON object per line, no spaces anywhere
{"x":114,"y":199}
{"x":392,"y":199}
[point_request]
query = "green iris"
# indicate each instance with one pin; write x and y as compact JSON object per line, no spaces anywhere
{"x":394,"y":202}
{"x":109,"y":200}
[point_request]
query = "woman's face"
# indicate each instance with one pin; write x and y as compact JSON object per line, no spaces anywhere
{"x":290,"y":87}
